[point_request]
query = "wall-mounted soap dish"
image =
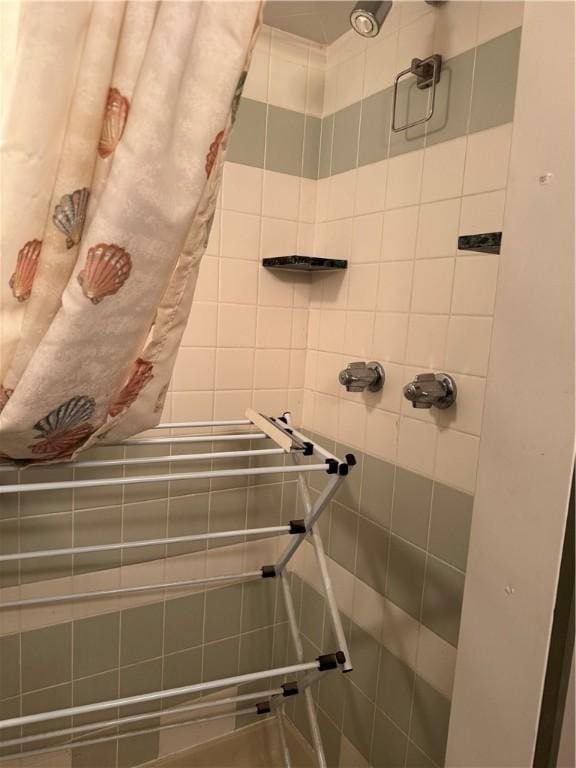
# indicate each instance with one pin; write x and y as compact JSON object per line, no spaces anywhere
{"x":304,"y":263}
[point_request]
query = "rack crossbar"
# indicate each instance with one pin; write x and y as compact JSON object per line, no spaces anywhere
{"x":190,"y":424}
{"x":188,"y":439}
{"x":163,"y":478}
{"x":130,"y":734}
{"x":169,"y":459}
{"x":144,"y":698}
{"x":48,"y":599}
{"x":104,"y":724}
{"x":41,"y":553}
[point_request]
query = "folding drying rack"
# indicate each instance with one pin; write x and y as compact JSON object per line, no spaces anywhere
{"x":301,"y":676}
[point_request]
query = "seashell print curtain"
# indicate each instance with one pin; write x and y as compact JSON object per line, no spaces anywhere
{"x":115,"y":130}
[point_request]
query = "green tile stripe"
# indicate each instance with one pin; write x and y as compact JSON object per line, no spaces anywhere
{"x":476,"y":91}
{"x":383,"y":706}
{"x":181,"y":641}
{"x":404,"y":535}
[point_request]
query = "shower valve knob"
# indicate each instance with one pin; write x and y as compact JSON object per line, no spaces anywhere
{"x":428,"y":389}
{"x":357,"y":377}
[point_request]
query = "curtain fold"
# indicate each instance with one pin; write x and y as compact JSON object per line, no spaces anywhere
{"x":112,"y":153}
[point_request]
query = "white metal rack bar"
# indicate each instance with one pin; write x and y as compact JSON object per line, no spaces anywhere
{"x":289,"y":442}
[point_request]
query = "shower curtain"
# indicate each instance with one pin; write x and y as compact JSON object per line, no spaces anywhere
{"x":114,"y":136}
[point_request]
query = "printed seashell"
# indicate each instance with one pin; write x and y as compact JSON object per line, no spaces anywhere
{"x":4,"y":397}
{"x":115,"y":117}
{"x":70,"y":215}
{"x":213,"y":152}
{"x":70,"y":414}
{"x":26,"y":265}
{"x":63,"y":442}
{"x":140,"y":376}
{"x":107,"y":269}
{"x":65,"y":428}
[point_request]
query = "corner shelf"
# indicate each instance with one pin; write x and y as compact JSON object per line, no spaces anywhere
{"x":304,"y":263}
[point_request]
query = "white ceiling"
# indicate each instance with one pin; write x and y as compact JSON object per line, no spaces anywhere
{"x":320,"y":20}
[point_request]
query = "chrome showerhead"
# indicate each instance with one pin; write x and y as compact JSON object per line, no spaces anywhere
{"x":368,"y":16}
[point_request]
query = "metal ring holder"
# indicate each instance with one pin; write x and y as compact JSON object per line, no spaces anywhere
{"x":427,"y":73}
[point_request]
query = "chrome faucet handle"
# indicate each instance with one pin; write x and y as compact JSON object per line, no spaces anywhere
{"x":428,"y":389}
{"x":357,"y":377}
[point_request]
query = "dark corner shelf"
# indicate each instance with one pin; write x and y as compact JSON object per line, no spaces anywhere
{"x":304,"y":263}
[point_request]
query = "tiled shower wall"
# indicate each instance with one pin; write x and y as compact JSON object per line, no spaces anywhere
{"x":313,"y":168}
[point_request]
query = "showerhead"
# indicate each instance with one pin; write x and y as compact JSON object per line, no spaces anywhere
{"x":368,"y":16}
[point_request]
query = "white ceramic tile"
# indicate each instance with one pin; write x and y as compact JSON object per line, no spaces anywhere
{"x":194,"y":369}
{"x":395,"y":286}
{"x":287,"y":87}
{"x":213,"y":244}
{"x":457,"y":459}
{"x":404,"y":179}
{"x":366,"y":238}
{"x":236,"y":325}
{"x":487,"y":159}
{"x":207,"y":285}
{"x":443,"y":170}
{"x":411,"y":10}
{"x":201,"y":328}
{"x":368,"y":609}
{"x":382,"y":433}
{"x":332,"y":325}
{"x":362,"y":286}
{"x":313,"y":328}
{"x":275,"y":288}
{"x":417,"y":445}
{"x":234,"y":368}
{"x":271,"y":369}
{"x":438,"y":229}
{"x":436,"y":661}
{"x":482,"y":213}
{"x":188,"y":406}
{"x":299,"y":329}
{"x":315,"y":92}
{"x":256,"y":85}
{"x":468,"y":345}
{"x":308,"y":193}
{"x":305,"y":238}
{"x":456,"y":27}
{"x":242,"y":188}
{"x":351,"y":423}
{"x":390,"y":334}
{"x":432,"y":286}
{"x":326,"y":415}
{"x":399,"y":234}
{"x":278,"y":237}
{"x":274,"y":328}
{"x":380,"y":68}
{"x":281,"y":196}
{"x":466,"y":413}
{"x":328,"y":365}
{"x":350,"y":76}
{"x":289,"y":47}
{"x":496,"y":18}
{"x":330,"y":90}
{"x":297,"y":368}
{"x":426,"y":340}
{"x":341,"y":195}
{"x":475,"y":285}
{"x":400,"y":633}
{"x":371,"y":187}
{"x":358,"y":333}
{"x":390,"y":396}
{"x":339,"y":239}
{"x":322,"y":187}
{"x":416,"y":39}
{"x":228,"y":405}
{"x":240,"y":236}
{"x":238,"y":281}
